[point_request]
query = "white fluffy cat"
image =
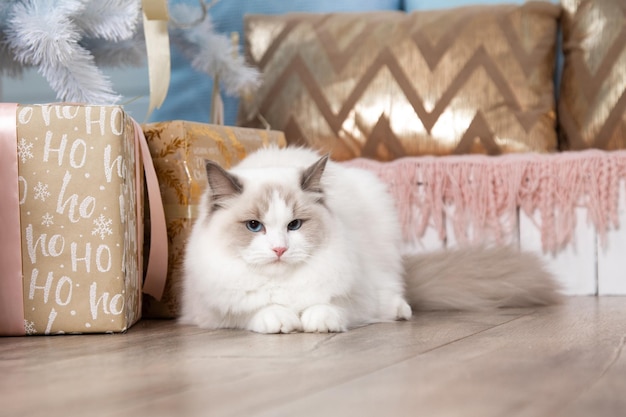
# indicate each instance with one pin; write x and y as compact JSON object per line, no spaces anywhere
{"x":289,"y":241}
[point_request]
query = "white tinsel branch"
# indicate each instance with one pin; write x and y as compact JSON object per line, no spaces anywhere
{"x":45,"y":34}
{"x":111,"y":20}
{"x":68,"y":40}
{"x":210,"y":52}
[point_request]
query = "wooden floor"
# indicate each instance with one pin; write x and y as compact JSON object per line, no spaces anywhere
{"x":559,"y":361}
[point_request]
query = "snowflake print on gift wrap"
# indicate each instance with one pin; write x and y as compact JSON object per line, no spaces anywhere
{"x":41,"y":191}
{"x":103,"y":227}
{"x":47,"y":220}
{"x":25,"y":150}
{"x":29,"y":327}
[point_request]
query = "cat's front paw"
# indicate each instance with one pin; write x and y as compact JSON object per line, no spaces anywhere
{"x":402,"y":310}
{"x":394,"y":308}
{"x":323,"y":319}
{"x":275,"y":319}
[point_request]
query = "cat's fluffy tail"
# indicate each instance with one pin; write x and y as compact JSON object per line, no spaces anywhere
{"x":478,"y":278}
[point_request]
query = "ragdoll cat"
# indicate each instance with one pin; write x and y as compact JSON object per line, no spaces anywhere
{"x":289,"y":241}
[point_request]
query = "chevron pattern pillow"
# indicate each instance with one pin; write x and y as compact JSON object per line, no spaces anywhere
{"x":383,"y":85}
{"x":592,"y":107}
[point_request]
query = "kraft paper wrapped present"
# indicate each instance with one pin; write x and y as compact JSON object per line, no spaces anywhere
{"x":179,"y":150}
{"x":71,"y":226}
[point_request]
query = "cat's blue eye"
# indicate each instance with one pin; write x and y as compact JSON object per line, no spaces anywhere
{"x":294,"y":224}
{"x":254,"y":226}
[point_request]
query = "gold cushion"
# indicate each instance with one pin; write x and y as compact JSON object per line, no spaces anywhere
{"x":592,"y":105}
{"x":383,"y":85}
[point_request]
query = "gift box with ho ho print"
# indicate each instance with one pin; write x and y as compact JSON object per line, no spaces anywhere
{"x":72,"y":238}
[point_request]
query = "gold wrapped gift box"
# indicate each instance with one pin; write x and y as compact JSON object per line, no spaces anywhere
{"x":179,"y":150}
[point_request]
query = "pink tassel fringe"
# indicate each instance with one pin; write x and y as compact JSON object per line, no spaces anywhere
{"x":480,"y":195}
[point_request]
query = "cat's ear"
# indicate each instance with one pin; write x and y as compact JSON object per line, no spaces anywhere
{"x":311,"y":179}
{"x":222,"y":184}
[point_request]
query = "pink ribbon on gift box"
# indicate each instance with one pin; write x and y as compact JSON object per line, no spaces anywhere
{"x":11,"y":290}
{"x":156,"y":270}
{"x":11,"y":285}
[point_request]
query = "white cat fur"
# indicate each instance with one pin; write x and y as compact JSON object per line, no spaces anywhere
{"x":342,"y":268}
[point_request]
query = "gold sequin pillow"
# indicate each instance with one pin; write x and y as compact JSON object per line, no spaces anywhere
{"x":383,"y":85}
{"x":592,"y":105}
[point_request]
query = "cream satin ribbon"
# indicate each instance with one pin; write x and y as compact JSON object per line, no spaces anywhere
{"x":155,"y":18}
{"x":217,"y":104}
{"x":11,"y":287}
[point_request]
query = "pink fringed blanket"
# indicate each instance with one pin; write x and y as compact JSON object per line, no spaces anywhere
{"x":484,"y":193}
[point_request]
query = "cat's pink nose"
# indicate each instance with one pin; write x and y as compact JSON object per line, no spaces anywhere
{"x":279,"y":251}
